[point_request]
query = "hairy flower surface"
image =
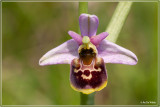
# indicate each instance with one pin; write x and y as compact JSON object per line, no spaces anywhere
{"x":87,"y":54}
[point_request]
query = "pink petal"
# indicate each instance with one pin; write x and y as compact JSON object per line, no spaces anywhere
{"x":63,"y":54}
{"x":88,"y":24}
{"x":98,"y":38}
{"x":76,"y":37}
{"x":112,"y":53}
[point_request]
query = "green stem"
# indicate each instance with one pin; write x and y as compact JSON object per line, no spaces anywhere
{"x":85,"y":99}
{"x":83,"y":8}
{"x":118,"y":20}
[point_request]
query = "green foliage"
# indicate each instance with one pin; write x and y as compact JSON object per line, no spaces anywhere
{"x":118,"y":20}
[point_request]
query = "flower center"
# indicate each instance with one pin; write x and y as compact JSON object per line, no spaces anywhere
{"x":87,"y":51}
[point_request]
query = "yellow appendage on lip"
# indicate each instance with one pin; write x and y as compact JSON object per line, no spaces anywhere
{"x":91,"y":90}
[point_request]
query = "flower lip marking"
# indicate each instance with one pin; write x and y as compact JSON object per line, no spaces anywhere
{"x":87,"y":54}
{"x":88,"y":77}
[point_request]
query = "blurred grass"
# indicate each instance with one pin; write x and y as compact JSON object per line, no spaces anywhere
{"x":31,"y":29}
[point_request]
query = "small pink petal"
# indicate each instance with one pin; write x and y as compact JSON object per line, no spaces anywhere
{"x":98,"y":38}
{"x":76,"y":37}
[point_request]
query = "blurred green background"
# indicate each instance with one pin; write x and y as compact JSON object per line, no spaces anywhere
{"x":29,"y":30}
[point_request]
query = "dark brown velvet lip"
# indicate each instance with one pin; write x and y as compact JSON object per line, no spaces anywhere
{"x":97,"y":79}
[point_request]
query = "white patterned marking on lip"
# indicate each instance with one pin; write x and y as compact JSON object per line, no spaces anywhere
{"x":86,"y":77}
{"x":90,"y":75}
{"x":97,"y":70}
{"x":75,"y":70}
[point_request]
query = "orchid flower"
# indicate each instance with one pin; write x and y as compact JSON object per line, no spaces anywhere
{"x":87,"y":54}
